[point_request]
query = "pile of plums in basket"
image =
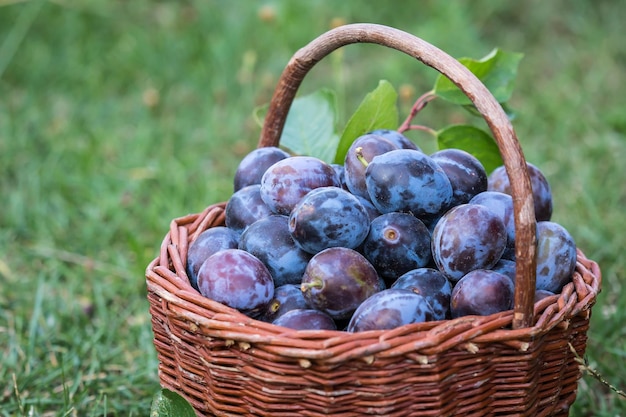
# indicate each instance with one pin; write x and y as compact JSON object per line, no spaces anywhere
{"x":392,"y":236}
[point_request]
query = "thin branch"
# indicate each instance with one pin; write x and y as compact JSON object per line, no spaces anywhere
{"x":584,"y":365}
{"x":419,"y":104}
{"x":426,"y":129}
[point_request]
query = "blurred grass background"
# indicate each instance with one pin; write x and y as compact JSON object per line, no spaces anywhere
{"x":117,"y":116}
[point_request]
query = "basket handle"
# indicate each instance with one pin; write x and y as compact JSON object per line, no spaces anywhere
{"x":515,"y":164}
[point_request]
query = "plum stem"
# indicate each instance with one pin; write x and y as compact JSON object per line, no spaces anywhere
{"x":312,"y":284}
{"x":427,"y":129}
{"x":419,"y":104}
{"x":360,"y":157}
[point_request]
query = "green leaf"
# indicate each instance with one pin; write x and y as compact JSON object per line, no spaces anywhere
{"x":473,"y":140}
{"x":378,"y":110}
{"x":497,"y":71}
{"x":167,"y":403}
{"x":310,"y":126}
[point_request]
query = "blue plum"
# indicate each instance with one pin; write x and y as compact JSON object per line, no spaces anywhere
{"x":397,"y":243}
{"x":341,"y":175}
{"x":395,"y":137}
{"x":502,"y":205}
{"x":466,"y":173}
{"x":328,"y":217}
{"x":208,"y":242}
{"x":306,"y":319}
{"x":270,"y":241}
{"x":541,"y":294}
{"x":361,"y":152}
{"x":337,"y":280}
{"x":542,"y":194}
{"x":468,"y":237}
{"x":407,"y":180}
{"x":389,"y":309}
{"x":372,"y":212}
{"x":290,"y":179}
{"x":506,"y":267}
{"x":252,"y":167}
{"x":287,"y":297}
{"x":432,"y":285}
{"x":556,"y":256}
{"x":482,"y":292}
{"x":245,"y":207}
{"x":237,"y":279}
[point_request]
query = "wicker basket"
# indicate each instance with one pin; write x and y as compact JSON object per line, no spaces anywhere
{"x":515,"y":363}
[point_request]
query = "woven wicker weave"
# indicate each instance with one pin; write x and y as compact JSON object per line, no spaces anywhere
{"x":515,"y":363}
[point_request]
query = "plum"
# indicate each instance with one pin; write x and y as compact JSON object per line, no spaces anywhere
{"x":556,"y":256}
{"x":482,"y":292}
{"x":245,"y":207}
{"x":361,"y":152}
{"x":407,"y":180}
{"x":395,"y":137}
{"x":208,"y":242}
{"x":542,"y":195}
{"x":287,"y":297}
{"x":337,"y":280}
{"x":389,"y":309}
{"x":306,"y":319}
{"x":468,"y":237}
{"x":466,"y":173}
{"x":288,"y":180}
{"x":237,"y":279}
{"x":328,"y":217}
{"x":502,"y":205}
{"x":269,"y":240}
{"x":252,"y":167}
{"x":397,"y":243}
{"x":432,"y":285}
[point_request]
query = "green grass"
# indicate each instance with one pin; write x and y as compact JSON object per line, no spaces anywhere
{"x":116,"y":117}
